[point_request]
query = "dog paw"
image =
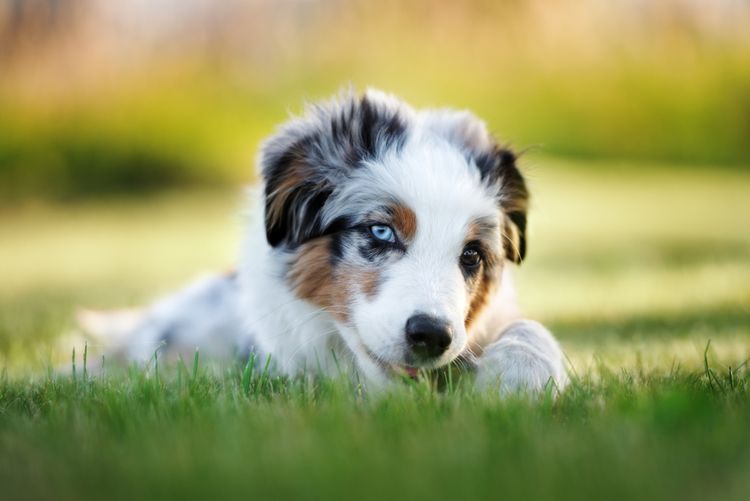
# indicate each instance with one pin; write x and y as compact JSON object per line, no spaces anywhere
{"x":525,"y":359}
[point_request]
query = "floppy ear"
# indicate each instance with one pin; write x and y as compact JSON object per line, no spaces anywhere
{"x":499,"y":168}
{"x":295,"y":193}
{"x":303,"y":164}
{"x":514,"y":202}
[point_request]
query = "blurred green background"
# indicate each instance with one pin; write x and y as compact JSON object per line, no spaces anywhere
{"x":128,"y":128}
{"x":104,"y":97}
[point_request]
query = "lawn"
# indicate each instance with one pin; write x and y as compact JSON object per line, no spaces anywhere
{"x":643,"y":272}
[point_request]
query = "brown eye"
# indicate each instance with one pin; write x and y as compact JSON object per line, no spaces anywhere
{"x":470,"y":258}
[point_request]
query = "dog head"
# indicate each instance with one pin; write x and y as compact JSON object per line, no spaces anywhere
{"x":396,"y":222}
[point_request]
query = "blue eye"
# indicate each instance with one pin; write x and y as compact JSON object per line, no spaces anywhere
{"x":383,"y":232}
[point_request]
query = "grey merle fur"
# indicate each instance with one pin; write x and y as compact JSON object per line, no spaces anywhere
{"x":304,"y":163}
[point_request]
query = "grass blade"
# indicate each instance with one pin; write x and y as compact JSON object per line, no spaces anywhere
{"x":263,"y":375}
{"x":85,"y":359}
{"x":247,"y":374}
{"x":196,"y":358}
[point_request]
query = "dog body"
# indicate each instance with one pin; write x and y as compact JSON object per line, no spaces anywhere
{"x":381,"y":244}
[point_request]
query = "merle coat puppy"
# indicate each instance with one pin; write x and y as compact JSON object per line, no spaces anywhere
{"x":381,"y":243}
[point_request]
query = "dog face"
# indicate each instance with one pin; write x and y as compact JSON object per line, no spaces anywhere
{"x":395,"y":222}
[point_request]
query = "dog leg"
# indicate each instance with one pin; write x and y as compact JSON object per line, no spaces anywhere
{"x":524,"y":359}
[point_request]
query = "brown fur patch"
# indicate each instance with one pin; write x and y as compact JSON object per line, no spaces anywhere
{"x":480,"y":229}
{"x":405,"y":221}
{"x":474,"y":231}
{"x":294,"y":176}
{"x":485,"y":231}
{"x":369,"y":282}
{"x":477,"y":299}
{"x":512,"y":242}
{"x":480,"y":290}
{"x":313,"y":278}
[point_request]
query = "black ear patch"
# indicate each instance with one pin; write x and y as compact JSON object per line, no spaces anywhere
{"x":294,"y":195}
{"x":498,"y":167}
{"x":309,"y":157}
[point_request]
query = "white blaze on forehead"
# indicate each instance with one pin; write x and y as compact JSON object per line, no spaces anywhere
{"x":446,"y":194}
{"x":429,"y":176}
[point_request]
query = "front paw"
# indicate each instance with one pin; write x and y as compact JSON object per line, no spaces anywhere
{"x":525,"y":359}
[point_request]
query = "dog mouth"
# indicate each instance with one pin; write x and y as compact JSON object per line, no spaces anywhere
{"x":404,"y":370}
{"x":398,"y":370}
{"x":415,"y":369}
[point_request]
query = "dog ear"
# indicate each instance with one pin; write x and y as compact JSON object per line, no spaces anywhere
{"x":499,"y":168}
{"x":294,"y":192}
{"x":303,"y":164}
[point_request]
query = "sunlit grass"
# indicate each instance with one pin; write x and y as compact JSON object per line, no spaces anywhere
{"x":193,"y":434}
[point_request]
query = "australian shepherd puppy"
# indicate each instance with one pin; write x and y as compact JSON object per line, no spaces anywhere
{"x":382,"y":243}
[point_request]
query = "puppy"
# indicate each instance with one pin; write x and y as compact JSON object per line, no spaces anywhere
{"x":381,"y":244}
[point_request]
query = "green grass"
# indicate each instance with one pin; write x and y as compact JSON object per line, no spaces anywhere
{"x":681,"y":435}
{"x":644,"y":274}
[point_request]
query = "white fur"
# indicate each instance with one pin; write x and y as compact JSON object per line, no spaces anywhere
{"x":298,"y":336}
{"x":445,"y":197}
{"x":430,"y":173}
{"x":526,"y":358}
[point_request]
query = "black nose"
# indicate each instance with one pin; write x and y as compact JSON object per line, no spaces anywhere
{"x":428,"y":336}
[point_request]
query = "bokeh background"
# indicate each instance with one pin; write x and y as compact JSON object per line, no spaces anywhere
{"x":127,"y":130}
